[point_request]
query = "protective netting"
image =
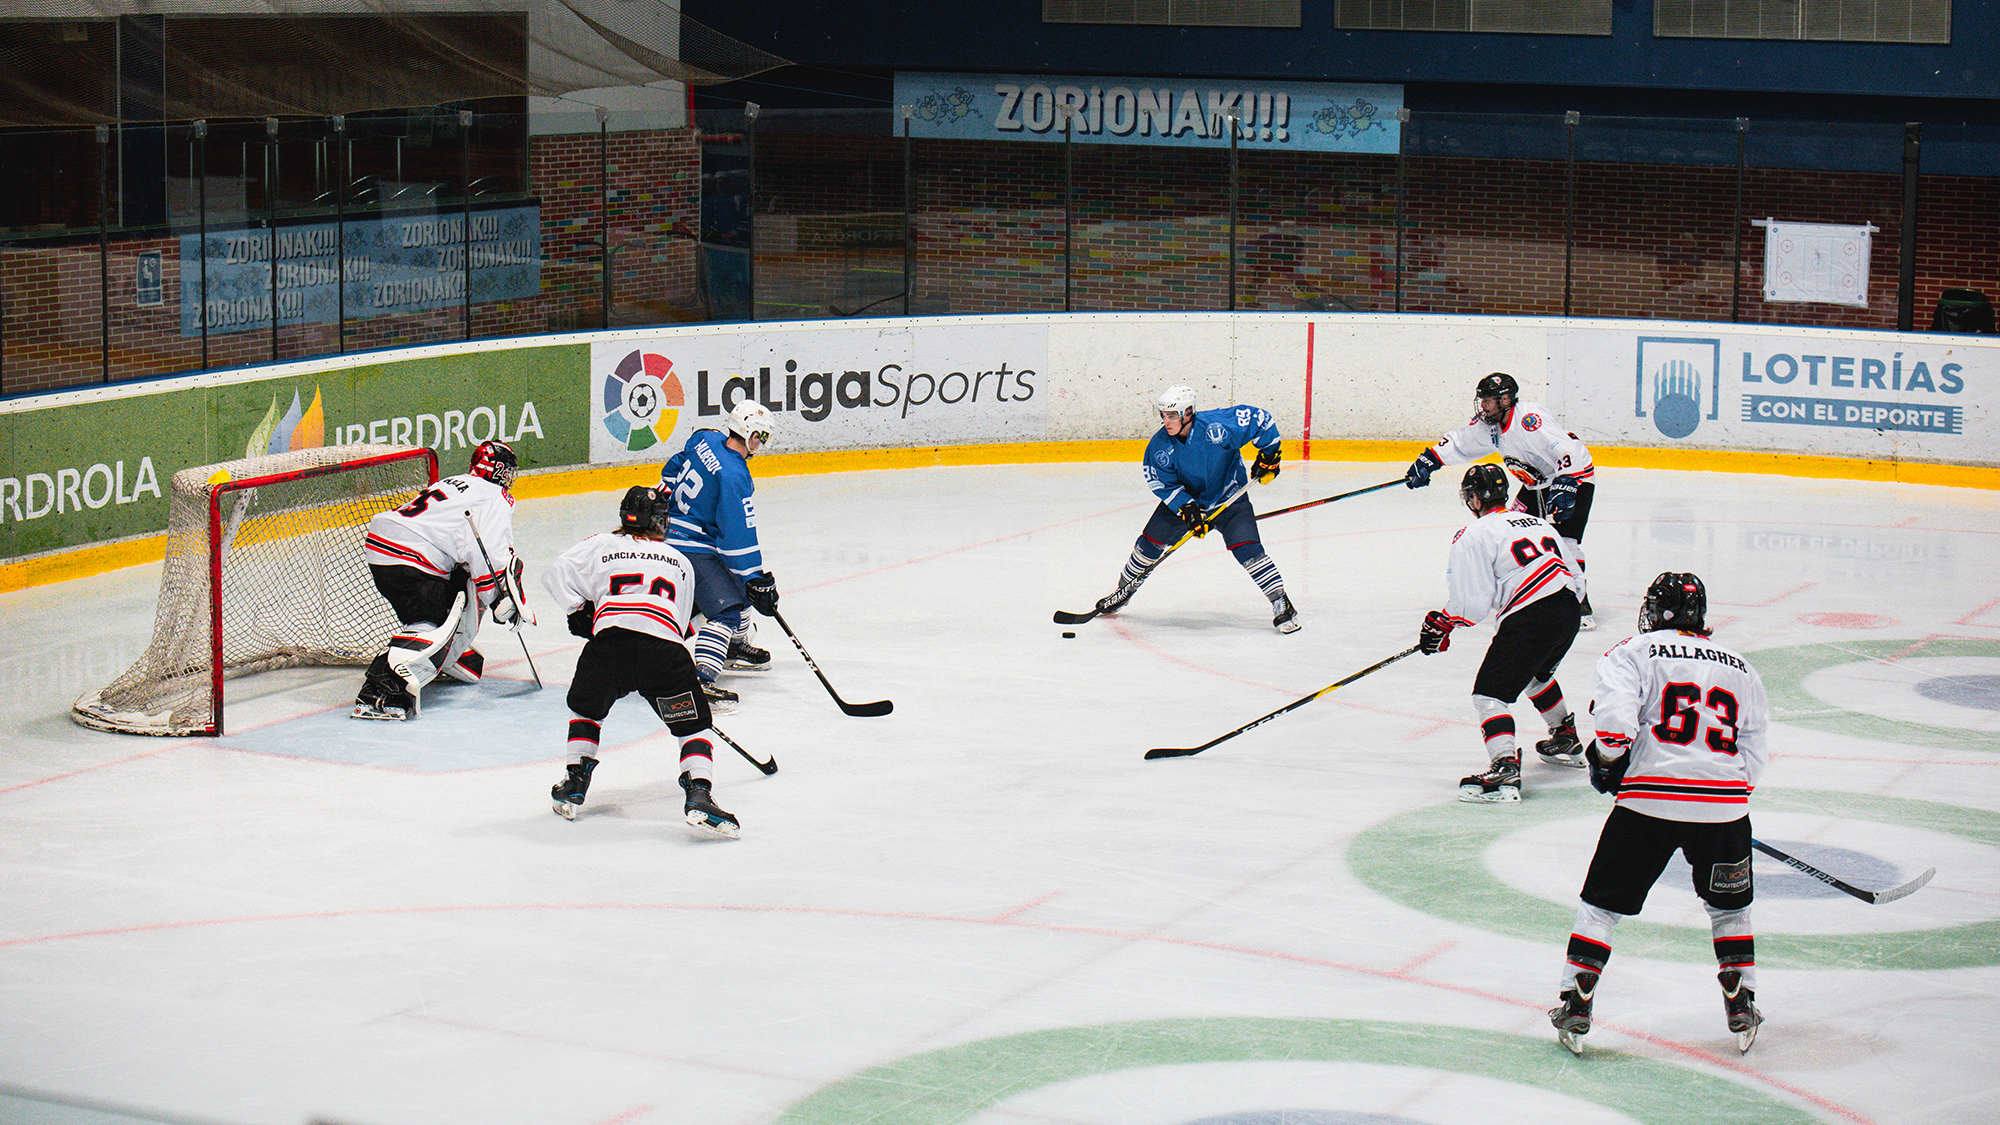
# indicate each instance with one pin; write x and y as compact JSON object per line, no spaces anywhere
{"x":324,"y":57}
{"x":295,"y":589}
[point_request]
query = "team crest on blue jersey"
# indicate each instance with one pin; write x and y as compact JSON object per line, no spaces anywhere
{"x":1218,"y":434}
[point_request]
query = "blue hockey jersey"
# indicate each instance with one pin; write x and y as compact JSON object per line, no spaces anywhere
{"x":713,"y":513}
{"x":1209,"y":464}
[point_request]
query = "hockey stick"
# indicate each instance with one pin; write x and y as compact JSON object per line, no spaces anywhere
{"x":519,"y":608}
{"x":1184,"y":751}
{"x":867,"y":710}
{"x":1065,"y":617}
{"x":768,"y":768}
{"x":1890,"y":895}
{"x":1328,"y":499}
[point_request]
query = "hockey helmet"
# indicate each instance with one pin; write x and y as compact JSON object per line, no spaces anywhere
{"x":748,"y":419}
{"x":1175,"y":400}
{"x":1484,"y":488}
{"x":495,"y":461}
{"x":1497,"y":386}
{"x":644,"y":511}
{"x":1675,"y":601}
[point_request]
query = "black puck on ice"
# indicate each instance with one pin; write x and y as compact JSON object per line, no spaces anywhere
{"x":1069,"y":636}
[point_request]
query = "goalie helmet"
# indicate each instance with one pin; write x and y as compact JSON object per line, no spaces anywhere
{"x":644,"y":511}
{"x":1484,"y":488}
{"x":1675,"y":601}
{"x":495,"y":461}
{"x":1497,"y":386}
{"x":748,"y":419}
{"x":1175,"y":400}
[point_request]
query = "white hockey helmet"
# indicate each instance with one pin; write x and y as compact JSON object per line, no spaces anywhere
{"x":748,"y":418}
{"x":1175,"y":400}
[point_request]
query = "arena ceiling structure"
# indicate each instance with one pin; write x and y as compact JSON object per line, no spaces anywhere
{"x":79,"y":62}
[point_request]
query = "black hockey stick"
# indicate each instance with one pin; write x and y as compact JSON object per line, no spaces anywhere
{"x":768,"y":768}
{"x":1890,"y":895}
{"x":519,"y":607}
{"x":1184,"y":751}
{"x":867,"y":710}
{"x":1328,"y":499}
{"x":1065,"y":617}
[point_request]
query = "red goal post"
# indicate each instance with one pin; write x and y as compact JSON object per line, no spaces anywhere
{"x":263,"y":570}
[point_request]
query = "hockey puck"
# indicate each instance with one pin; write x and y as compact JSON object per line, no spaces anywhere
{"x":1069,"y":636}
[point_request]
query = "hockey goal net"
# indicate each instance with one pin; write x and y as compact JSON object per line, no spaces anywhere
{"x":263,"y":570}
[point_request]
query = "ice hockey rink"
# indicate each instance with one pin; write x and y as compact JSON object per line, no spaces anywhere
{"x":987,"y":907}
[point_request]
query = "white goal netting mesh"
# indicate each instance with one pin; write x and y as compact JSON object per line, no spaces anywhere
{"x":295,"y":588}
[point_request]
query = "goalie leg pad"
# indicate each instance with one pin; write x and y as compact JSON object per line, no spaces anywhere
{"x":418,"y":650}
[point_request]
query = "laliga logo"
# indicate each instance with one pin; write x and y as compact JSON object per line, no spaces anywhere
{"x":641,"y":400}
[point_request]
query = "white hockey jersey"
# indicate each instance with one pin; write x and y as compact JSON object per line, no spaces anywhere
{"x":1500,"y":562}
{"x":431,"y":533}
{"x":1530,"y":442}
{"x":637,"y":584}
{"x":1692,"y":714}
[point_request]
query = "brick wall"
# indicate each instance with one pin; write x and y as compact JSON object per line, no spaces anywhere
{"x":54,"y":330}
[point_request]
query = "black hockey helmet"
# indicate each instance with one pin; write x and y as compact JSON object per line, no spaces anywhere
{"x":1484,"y":488}
{"x":1502,"y":389}
{"x":644,"y":511}
{"x":495,"y":461}
{"x":1675,"y":601}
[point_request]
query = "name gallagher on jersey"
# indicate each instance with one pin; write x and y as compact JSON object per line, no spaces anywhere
{"x":1683,"y":652}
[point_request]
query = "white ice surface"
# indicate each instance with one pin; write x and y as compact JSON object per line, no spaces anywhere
{"x":987,"y":907}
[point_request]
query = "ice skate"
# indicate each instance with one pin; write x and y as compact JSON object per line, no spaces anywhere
{"x":702,"y":813}
{"x":746,"y":657}
{"x":393,"y":707}
{"x":1572,"y":1017}
{"x":1736,"y":1001}
{"x":1500,"y":784}
{"x":721,"y":700}
{"x":1589,"y":618}
{"x":1561,"y":747}
{"x":568,"y":793}
{"x":1285,"y":619}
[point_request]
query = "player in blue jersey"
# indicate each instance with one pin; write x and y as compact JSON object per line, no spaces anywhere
{"x":1194,"y":464}
{"x":715,"y":525}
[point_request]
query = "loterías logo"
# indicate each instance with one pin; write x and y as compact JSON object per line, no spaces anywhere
{"x":640,"y":400}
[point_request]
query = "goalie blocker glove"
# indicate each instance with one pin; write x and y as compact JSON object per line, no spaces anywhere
{"x":1435,"y":634}
{"x":1197,"y":521}
{"x":1265,"y":469}
{"x":762,"y":590}
{"x":1420,"y":470}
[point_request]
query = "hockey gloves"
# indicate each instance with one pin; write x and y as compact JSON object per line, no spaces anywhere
{"x":1419,"y":475}
{"x":581,"y":620}
{"x":762,"y":590}
{"x":1435,"y":635}
{"x":1265,"y":469}
{"x":505,"y":611}
{"x":1561,"y":498}
{"x":1198,"y":522}
{"x":1605,"y":776}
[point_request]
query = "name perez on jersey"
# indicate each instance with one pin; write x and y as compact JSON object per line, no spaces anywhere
{"x":1683,"y":652}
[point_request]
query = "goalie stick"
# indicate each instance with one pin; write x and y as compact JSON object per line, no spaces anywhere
{"x":866,"y":710}
{"x":1065,"y":617}
{"x":513,"y":591}
{"x":768,"y":768}
{"x":1328,"y":499}
{"x":1890,"y":895}
{"x":1185,"y":751}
